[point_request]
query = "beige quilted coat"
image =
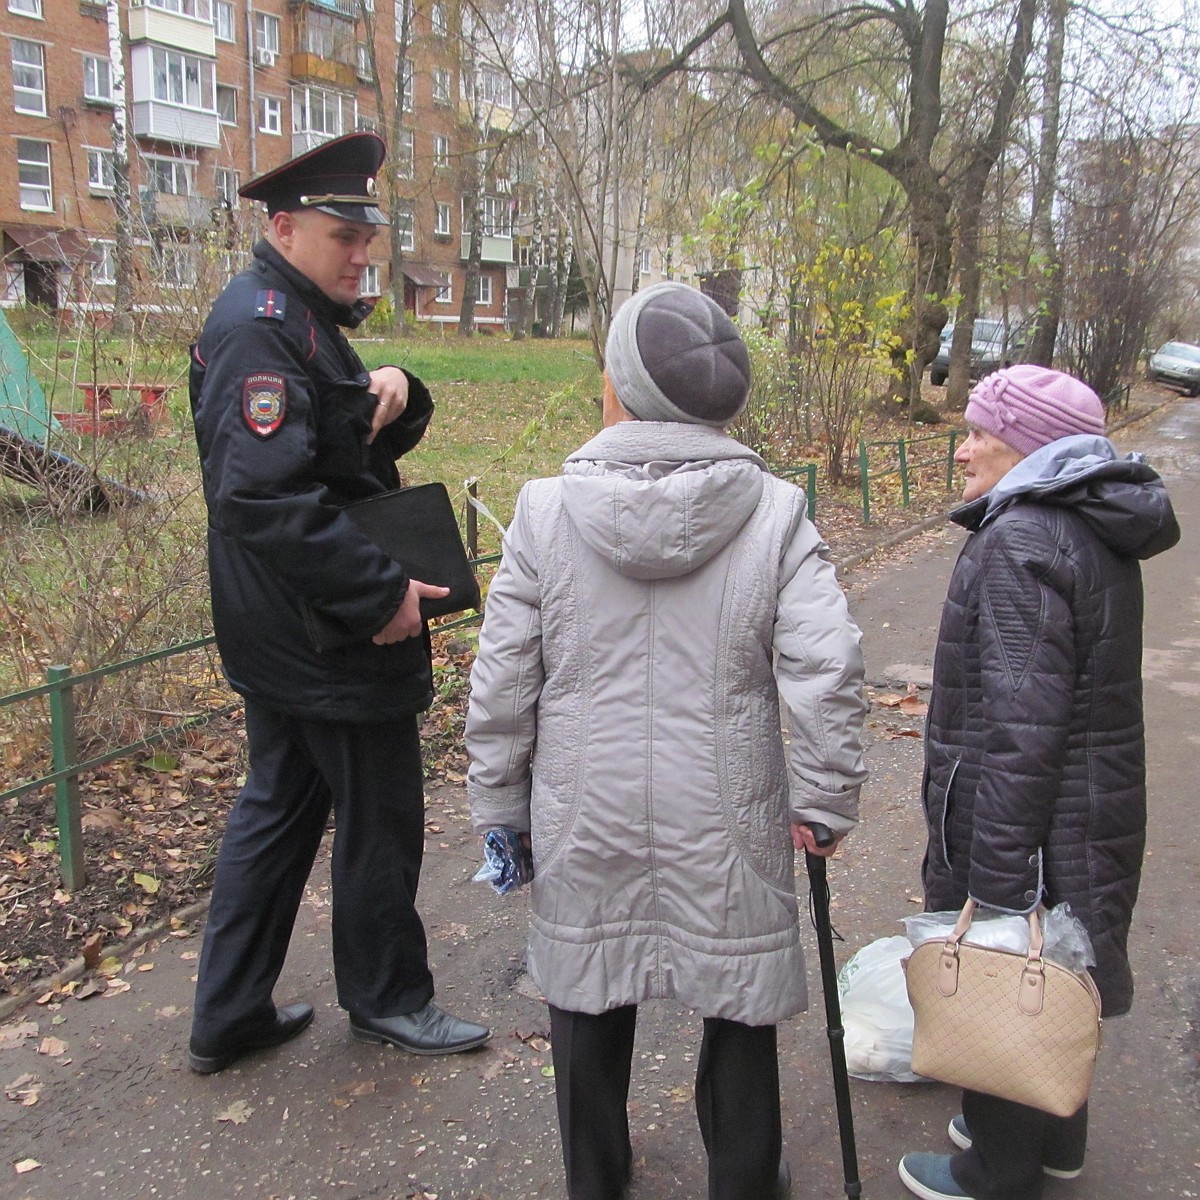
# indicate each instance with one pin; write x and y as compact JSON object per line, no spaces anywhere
{"x":653,"y":606}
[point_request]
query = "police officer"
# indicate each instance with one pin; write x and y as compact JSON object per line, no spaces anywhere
{"x":290,"y":426}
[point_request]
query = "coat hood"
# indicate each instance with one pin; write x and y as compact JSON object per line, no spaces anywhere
{"x":659,"y":499}
{"x":1122,"y":498}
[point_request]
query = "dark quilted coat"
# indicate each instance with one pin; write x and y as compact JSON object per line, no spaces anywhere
{"x":1035,"y":756}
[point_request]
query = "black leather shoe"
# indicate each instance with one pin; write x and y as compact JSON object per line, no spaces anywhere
{"x":783,"y":1189}
{"x":430,"y":1030}
{"x":288,"y":1022}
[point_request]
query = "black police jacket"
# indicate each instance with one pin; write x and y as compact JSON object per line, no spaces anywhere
{"x":282,"y":414}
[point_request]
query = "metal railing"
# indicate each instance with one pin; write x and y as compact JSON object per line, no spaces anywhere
{"x":905,"y":465}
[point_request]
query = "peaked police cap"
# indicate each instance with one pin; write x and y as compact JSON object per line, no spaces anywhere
{"x":337,"y":177}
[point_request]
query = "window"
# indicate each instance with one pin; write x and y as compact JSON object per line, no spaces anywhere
{"x":327,"y":36}
{"x":104,"y":269}
{"x":445,"y":295}
{"x":226,"y":185}
{"x":188,"y":8}
{"x":497,"y":217}
{"x":440,"y":17}
{"x":174,"y":176}
{"x":29,"y":8}
{"x":441,"y":220}
{"x":29,"y":76}
{"x":369,"y":286}
{"x":270,"y":115}
{"x":404,"y":219}
{"x":405,"y":67}
{"x":175,"y":265}
{"x":97,"y":79}
{"x":441,"y":85}
{"x":441,"y":151}
{"x":485,"y":289}
{"x":364,"y":66}
{"x":403,"y":154}
{"x":266,"y":32}
{"x":495,"y":88}
{"x":183,"y":79}
{"x":227,"y":105}
{"x":367,"y":125}
{"x":644,"y":262}
{"x":315,"y":110}
{"x":224,"y":21}
{"x":33,"y":175}
{"x":101,"y":176}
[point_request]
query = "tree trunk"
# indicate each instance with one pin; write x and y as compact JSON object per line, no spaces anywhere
{"x":1045,"y":244}
{"x":970,"y":207}
{"x":122,"y":319}
{"x":466,"y":312}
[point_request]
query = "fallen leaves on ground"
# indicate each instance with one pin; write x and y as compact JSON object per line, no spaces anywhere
{"x":238,"y":1113}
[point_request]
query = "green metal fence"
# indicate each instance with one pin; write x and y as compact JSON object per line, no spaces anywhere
{"x":809,"y":471}
{"x":905,"y":464}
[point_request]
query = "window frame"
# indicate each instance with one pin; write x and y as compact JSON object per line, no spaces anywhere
{"x":180,"y":169}
{"x":480,"y":298}
{"x":364,"y":288}
{"x":329,"y":100}
{"x":443,"y":85}
{"x":48,"y":166}
{"x":99,"y":66}
{"x":104,"y":160}
{"x":408,"y":234}
{"x":228,"y":194}
{"x":33,"y":10}
{"x":441,"y":152}
{"x":39,"y":67}
{"x":265,"y":104}
{"x":229,"y":90}
{"x":173,"y":70}
{"x":441,"y":207}
{"x":99,"y":276}
{"x":264,"y":23}
{"x":220,"y":8}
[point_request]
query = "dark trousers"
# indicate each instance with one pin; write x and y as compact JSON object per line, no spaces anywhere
{"x":737,"y":1104}
{"x":371,"y":777}
{"x":1010,"y":1143}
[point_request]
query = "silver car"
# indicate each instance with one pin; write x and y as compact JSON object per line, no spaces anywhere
{"x":1177,"y":363}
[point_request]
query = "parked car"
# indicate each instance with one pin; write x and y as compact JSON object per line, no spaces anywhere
{"x":993,"y":345}
{"x":1177,"y":363}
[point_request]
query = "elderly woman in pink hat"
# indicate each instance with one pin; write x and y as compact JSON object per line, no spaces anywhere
{"x":1034,"y":787}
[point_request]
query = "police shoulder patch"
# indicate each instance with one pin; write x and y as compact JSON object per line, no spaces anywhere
{"x":264,"y":402}
{"x":271,"y":304}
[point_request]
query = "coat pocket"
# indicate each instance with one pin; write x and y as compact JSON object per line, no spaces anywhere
{"x":343,"y":426}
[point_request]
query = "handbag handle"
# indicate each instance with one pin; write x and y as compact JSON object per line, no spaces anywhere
{"x":1030,"y":996}
{"x":967,"y":915}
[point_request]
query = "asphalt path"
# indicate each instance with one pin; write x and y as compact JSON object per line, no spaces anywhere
{"x":101,"y":1099}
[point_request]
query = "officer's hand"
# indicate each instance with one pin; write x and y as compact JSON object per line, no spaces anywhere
{"x":389,"y":386}
{"x":407,"y":621}
{"x":802,"y":839}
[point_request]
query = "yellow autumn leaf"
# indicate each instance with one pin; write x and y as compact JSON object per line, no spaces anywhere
{"x":146,"y":882}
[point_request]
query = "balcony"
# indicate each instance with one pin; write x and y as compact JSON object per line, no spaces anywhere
{"x":323,"y":70}
{"x":172,"y":123}
{"x":345,"y":8}
{"x":176,"y":212}
{"x":495,"y":249}
{"x":147,"y":24}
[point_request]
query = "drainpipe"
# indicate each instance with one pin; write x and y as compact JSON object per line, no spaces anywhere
{"x":250,"y":89}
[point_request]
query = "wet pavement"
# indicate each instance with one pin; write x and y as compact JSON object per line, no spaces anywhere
{"x":118,"y":1114}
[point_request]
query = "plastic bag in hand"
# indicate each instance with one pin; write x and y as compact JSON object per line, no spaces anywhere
{"x":507,"y":862}
{"x":876,"y":1014}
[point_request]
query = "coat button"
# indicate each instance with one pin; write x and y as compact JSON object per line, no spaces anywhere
{"x":1033,"y":860}
{"x":1031,"y":896}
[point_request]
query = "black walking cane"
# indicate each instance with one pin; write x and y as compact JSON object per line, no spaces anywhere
{"x":819,"y":911}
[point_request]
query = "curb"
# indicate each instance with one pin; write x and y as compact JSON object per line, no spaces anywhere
{"x":856,"y":560}
{"x":77,"y":968}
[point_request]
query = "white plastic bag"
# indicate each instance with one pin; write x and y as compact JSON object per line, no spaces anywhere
{"x":876,"y":1014}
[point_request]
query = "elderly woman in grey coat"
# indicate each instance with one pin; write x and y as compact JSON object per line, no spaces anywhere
{"x":654,"y":606}
{"x":1035,"y":785}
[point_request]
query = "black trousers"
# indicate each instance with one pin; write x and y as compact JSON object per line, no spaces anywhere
{"x":737,"y":1104}
{"x":1010,"y":1143}
{"x":371,"y":776}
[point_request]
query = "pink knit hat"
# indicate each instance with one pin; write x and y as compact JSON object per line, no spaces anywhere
{"x":1029,"y":406}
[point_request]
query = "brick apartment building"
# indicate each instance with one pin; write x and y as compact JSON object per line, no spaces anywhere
{"x":216,"y":92}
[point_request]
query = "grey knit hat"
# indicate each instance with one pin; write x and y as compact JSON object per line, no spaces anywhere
{"x":673,"y":355}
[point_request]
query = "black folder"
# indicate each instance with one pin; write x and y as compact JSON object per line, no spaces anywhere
{"x":417,"y":527}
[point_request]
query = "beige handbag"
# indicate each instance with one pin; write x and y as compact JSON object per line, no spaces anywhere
{"x":1009,"y":1025}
